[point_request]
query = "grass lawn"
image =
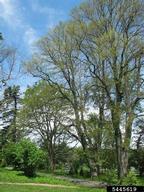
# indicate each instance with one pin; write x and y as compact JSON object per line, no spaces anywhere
{"x":10,"y":176}
{"x":12,"y":188}
{"x":17,"y":177}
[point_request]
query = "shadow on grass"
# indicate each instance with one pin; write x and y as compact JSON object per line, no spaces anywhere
{"x":30,"y":177}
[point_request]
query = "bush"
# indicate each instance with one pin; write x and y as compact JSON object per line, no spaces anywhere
{"x":84,"y":171}
{"x":110,"y":176}
{"x":79,"y":165}
{"x":130,"y":179}
{"x":9,"y":155}
{"x":136,"y":160}
{"x":24,"y":156}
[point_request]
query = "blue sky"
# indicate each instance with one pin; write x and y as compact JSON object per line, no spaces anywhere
{"x":22,"y":22}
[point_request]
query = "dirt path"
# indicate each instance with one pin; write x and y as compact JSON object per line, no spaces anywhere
{"x":38,"y":184}
{"x":84,"y":182}
{"x":77,"y":182}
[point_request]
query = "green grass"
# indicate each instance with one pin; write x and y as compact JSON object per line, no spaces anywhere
{"x":9,"y":188}
{"x":18,"y":177}
{"x":141,"y":181}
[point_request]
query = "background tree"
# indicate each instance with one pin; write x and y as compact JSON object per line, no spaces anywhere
{"x":9,"y":109}
{"x":102,"y":140}
{"x":7,"y":61}
{"x":138,"y":133}
{"x":41,"y":114}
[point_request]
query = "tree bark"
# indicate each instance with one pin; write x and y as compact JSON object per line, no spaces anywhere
{"x":118,"y":140}
{"x":124,"y":159}
{"x":122,"y":149}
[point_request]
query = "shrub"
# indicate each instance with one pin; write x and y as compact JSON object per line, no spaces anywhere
{"x":130,"y":179}
{"x":136,"y":160}
{"x":110,"y":176}
{"x":79,"y":165}
{"x":9,"y":155}
{"x":24,"y":156}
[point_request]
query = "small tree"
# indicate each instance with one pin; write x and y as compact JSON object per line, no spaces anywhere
{"x":43,"y":113}
{"x":25,"y":156}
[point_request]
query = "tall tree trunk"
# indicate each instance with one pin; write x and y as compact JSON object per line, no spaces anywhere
{"x":99,"y":139}
{"x":51,"y":156}
{"x":118,"y":140}
{"x":126,"y":144}
{"x":122,"y":154}
{"x":124,"y":159}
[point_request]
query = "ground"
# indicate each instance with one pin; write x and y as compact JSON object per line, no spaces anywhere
{"x":14,"y":181}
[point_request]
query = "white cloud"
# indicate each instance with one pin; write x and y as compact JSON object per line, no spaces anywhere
{"x":30,"y":36}
{"x":53,"y":15}
{"x":13,"y":14}
{"x":37,"y":7}
{"x":9,"y":12}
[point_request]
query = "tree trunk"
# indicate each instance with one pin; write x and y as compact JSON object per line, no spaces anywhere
{"x":126,"y":144}
{"x":51,"y":156}
{"x":52,"y":165}
{"x":124,"y":158}
{"x":118,"y":141}
{"x":52,"y":162}
{"x":98,"y":170}
{"x":118,"y":154}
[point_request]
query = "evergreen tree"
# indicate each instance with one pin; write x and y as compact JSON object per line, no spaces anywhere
{"x":9,"y":108}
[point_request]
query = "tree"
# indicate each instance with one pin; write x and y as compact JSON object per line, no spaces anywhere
{"x":42,"y":114}
{"x":24,"y":156}
{"x":101,"y":47}
{"x":139,"y":133}
{"x":9,"y":110}
{"x":102,"y":140}
{"x":7,"y":61}
{"x":59,"y":64}
{"x":113,"y":50}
